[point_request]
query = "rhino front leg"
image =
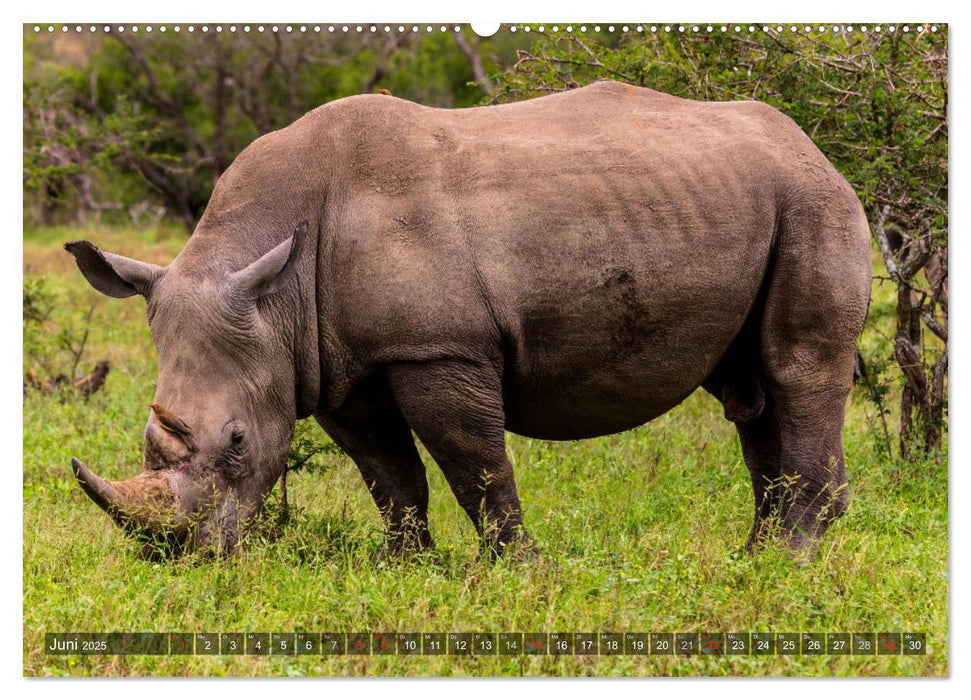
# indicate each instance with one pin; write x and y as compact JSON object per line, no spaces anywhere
{"x":455,"y":408}
{"x":369,"y":427}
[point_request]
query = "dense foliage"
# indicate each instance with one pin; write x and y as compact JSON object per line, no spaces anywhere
{"x":115,"y":121}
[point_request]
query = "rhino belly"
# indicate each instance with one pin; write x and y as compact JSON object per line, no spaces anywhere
{"x":571,"y":376}
{"x":603,"y":402}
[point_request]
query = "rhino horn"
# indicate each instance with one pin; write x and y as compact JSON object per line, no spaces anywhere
{"x":143,"y":504}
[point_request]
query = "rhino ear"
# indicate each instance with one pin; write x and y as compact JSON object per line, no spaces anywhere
{"x":272,"y":271}
{"x":111,"y":274}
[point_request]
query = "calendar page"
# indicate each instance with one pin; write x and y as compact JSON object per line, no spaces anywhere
{"x":515,"y":349}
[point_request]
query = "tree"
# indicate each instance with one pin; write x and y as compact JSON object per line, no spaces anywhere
{"x":173,"y":110}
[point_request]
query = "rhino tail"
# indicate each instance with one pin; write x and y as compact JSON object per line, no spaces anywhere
{"x":860,"y":372}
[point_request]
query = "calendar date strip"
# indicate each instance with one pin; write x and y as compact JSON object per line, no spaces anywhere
{"x":489,"y":643}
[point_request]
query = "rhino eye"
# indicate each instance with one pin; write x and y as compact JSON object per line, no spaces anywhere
{"x":232,"y":462}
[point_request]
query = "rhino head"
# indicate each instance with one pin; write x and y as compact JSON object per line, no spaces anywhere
{"x":218,"y":439}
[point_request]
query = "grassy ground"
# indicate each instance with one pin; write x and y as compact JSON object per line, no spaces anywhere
{"x":638,"y":533}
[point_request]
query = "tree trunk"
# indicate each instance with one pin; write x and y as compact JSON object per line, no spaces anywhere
{"x":923,"y":394}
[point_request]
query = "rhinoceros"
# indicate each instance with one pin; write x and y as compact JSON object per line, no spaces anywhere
{"x":563,"y":268}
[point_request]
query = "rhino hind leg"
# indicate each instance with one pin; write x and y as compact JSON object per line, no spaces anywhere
{"x":455,"y":408}
{"x":369,"y":427}
{"x":762,"y":449}
{"x":738,"y":381}
{"x":795,"y":458}
{"x":814,"y":310}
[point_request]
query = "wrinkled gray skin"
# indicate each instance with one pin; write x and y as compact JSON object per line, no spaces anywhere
{"x":563,"y":268}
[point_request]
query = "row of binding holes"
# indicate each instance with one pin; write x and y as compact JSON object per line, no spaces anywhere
{"x":289,"y":28}
{"x":345,"y":28}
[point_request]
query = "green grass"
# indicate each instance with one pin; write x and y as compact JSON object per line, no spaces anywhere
{"x":638,"y":532}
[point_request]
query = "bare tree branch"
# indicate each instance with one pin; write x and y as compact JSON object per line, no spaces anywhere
{"x":475,"y":59}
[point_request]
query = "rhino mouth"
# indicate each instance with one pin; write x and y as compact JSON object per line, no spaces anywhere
{"x":144,"y":506}
{"x":147,"y":508}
